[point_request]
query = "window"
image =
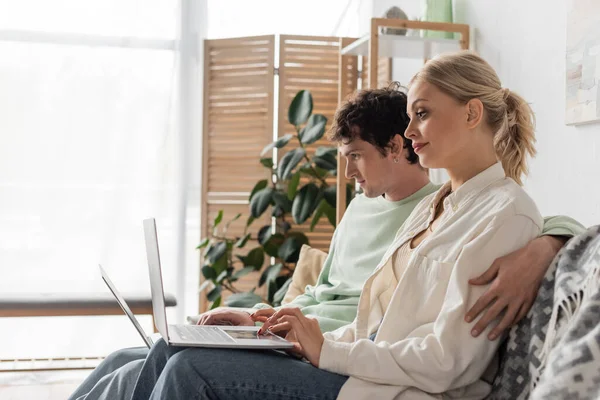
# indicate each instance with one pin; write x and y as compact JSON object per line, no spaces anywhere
{"x":88,"y":148}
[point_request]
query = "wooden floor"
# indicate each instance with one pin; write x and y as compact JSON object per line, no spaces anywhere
{"x":50,"y":385}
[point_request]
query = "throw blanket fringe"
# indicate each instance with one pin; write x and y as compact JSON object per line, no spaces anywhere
{"x":541,"y":352}
{"x":566,"y":307}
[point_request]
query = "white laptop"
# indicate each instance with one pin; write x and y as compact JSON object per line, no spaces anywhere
{"x":149,"y":340}
{"x":198,"y":335}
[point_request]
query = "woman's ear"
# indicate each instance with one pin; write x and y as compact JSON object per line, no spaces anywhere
{"x":474,"y":113}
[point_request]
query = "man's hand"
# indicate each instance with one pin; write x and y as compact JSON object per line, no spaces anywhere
{"x":304,"y":329}
{"x":516,"y":279}
{"x":226,"y":317}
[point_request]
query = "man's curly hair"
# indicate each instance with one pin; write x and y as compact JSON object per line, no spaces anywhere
{"x":375,"y":116}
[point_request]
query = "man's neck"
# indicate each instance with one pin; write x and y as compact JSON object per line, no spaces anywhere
{"x":407,"y":187}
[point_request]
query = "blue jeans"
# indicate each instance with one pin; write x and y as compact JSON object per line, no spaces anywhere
{"x":183,"y":373}
{"x":105,"y":373}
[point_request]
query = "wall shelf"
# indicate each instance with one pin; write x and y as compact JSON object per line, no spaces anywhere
{"x":398,"y":46}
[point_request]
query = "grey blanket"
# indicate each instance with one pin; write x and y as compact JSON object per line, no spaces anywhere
{"x":555,"y":351}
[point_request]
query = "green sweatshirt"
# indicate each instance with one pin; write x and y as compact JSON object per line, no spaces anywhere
{"x":359,"y":242}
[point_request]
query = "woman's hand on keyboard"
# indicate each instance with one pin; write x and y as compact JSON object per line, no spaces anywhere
{"x":226,"y":317}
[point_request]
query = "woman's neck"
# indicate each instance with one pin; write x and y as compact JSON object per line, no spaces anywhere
{"x":469,"y":168}
{"x":473,"y":159}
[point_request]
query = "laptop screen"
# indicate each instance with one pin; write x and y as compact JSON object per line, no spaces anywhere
{"x":156,"y":283}
{"x":124,"y":306}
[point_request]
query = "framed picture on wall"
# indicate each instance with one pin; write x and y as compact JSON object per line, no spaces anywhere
{"x":583,"y":62}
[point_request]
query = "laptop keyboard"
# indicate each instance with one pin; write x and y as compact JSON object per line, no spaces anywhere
{"x":204,"y":334}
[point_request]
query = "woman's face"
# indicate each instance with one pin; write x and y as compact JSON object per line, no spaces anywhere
{"x":438,"y":126}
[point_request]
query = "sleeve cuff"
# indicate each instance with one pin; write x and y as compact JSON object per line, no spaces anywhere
{"x":562,"y":226}
{"x":558,"y":231}
{"x":334,"y":356}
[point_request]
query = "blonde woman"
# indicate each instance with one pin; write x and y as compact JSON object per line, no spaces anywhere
{"x":409,"y":339}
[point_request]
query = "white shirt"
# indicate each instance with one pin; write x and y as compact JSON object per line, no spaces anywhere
{"x":424,"y":348}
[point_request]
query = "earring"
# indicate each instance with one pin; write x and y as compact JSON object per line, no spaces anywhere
{"x":396,"y":160}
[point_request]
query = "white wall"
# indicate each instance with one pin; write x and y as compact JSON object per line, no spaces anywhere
{"x":525,"y":42}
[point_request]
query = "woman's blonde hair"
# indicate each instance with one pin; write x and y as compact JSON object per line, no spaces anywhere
{"x":465,"y":76}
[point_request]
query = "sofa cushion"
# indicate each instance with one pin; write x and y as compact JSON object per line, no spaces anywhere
{"x":307,"y":272}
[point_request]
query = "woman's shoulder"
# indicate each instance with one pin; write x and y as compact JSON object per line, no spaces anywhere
{"x":506,"y":196}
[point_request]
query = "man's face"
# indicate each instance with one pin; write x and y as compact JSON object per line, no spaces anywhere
{"x":371,"y":169}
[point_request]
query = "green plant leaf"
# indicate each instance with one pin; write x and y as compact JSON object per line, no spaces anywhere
{"x":314,"y":129}
{"x":290,"y":249}
{"x":242,"y":241}
{"x":260,"y":185}
{"x":308,"y":171}
{"x":300,"y":108}
{"x":231,"y":221}
{"x":281,"y":292}
{"x":329,"y":213}
{"x":288,"y":162}
{"x":305,"y":202}
{"x":277,"y":212}
{"x":208,"y":272}
{"x":216,"y":251}
{"x":285,"y":227}
{"x":271,"y":247}
{"x":230,"y":276}
{"x":214,"y":294}
{"x":326,"y":161}
{"x":255,"y":258}
{"x":279,"y":143}
{"x":246,"y":300}
{"x":203,"y":244}
{"x":317,"y":215}
{"x":322,"y":150}
{"x":274,"y":286}
{"x":264,"y":234}
{"x":260,"y":202}
{"x":330,"y":195}
{"x":267,"y":162}
{"x":222,"y":276}
{"x":218,"y":218}
{"x":216,"y":303}
{"x":220,"y":265}
{"x":293,"y":185}
{"x":282,"y":201}
{"x":243,"y":272}
{"x":315,"y":171}
{"x":250,"y":221}
{"x":270,"y":274}
{"x":301,"y":236}
{"x":295,"y":241}
{"x":204,"y":285}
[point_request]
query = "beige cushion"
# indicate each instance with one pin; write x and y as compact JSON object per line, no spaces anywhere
{"x":307,"y":272}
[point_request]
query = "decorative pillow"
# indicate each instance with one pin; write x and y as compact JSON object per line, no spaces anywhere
{"x":307,"y":272}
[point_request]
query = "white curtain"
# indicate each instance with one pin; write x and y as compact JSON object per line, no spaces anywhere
{"x":88,"y":148}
